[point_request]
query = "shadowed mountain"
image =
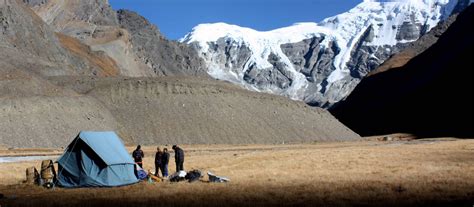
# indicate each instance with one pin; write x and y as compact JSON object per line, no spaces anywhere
{"x":430,"y":96}
{"x":414,"y":49}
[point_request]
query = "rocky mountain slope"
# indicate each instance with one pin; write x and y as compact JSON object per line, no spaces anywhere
{"x":59,"y":78}
{"x":130,"y":40}
{"x":430,"y":96}
{"x":163,"y":56}
{"x":33,"y":109}
{"x":154,"y":111}
{"x":319,"y":63}
{"x":94,"y":24}
{"x":29,"y":44}
{"x":203,"y":111}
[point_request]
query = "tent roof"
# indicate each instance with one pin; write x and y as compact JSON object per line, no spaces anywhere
{"x":108,"y":146}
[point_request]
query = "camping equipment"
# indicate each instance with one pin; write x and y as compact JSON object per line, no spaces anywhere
{"x":217,"y":179}
{"x":96,"y":159}
{"x":178,"y":176}
{"x":48,"y":174}
{"x":32,"y":176}
{"x":140,"y":172}
{"x":193,"y":175}
{"x":152,"y":178}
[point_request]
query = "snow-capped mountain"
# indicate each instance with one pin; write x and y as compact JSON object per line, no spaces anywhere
{"x":319,"y":63}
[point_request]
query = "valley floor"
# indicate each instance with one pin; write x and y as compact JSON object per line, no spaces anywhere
{"x":366,"y":173}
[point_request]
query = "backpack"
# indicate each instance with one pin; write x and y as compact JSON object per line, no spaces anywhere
{"x":137,"y":154}
{"x":178,"y":176}
{"x":140,"y":173}
{"x":193,"y":176}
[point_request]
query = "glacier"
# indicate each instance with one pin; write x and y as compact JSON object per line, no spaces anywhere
{"x":319,"y":63}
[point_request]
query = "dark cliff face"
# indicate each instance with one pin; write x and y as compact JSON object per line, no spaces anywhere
{"x":430,"y":96}
{"x":163,"y":56}
{"x":413,"y":49}
{"x":461,"y":5}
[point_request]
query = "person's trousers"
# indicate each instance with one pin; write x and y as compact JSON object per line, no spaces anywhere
{"x":157,"y":168}
{"x":164,"y":170}
{"x":179,"y":166}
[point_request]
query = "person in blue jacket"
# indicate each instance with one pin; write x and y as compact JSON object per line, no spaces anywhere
{"x":165,"y":159}
{"x":158,"y":161}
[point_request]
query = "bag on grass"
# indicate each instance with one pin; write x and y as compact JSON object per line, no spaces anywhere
{"x":217,"y":179}
{"x":178,"y":176}
{"x":193,"y":176}
{"x":140,"y":173}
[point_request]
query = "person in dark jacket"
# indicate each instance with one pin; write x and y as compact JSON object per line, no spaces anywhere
{"x":179,"y":158}
{"x":138,"y":156}
{"x":165,"y":159}
{"x":158,"y":161}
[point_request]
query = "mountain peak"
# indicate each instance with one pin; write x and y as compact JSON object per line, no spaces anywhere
{"x":316,"y":62}
{"x":425,"y":89}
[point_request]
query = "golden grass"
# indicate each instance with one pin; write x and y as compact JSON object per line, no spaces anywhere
{"x":29,"y":152}
{"x":348,"y":173}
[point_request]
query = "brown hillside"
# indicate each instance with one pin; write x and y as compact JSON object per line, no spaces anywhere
{"x":202,"y":111}
{"x":107,"y":65}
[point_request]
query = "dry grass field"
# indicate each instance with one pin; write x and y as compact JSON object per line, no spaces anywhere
{"x":366,"y":173}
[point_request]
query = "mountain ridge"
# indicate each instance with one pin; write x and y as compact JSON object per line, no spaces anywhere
{"x":137,"y":51}
{"x":429,"y":96}
{"x":349,"y":45}
{"x":54,"y":84}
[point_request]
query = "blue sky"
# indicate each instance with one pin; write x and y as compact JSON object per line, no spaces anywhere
{"x":175,"y":18}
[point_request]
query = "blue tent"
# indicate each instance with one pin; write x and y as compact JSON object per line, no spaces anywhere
{"x":96,"y":159}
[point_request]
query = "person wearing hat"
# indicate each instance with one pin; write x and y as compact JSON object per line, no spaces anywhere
{"x":179,"y":158}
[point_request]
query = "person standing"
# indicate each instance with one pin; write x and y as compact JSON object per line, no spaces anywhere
{"x":164,"y":162}
{"x":179,"y":158}
{"x":138,"y":156}
{"x":158,"y":161}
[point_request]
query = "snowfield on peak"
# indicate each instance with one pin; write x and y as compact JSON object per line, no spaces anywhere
{"x":315,"y":62}
{"x":262,"y":44}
